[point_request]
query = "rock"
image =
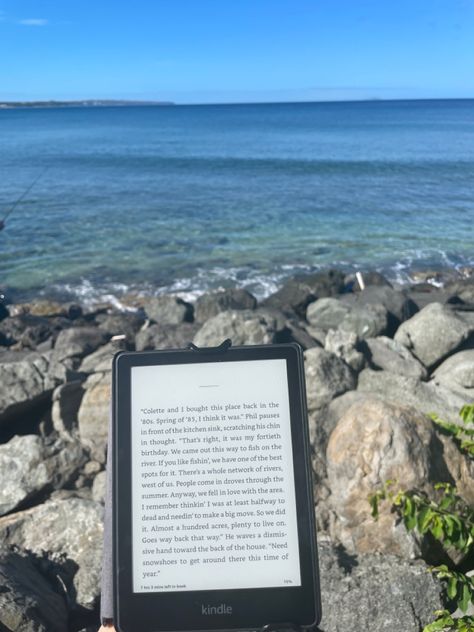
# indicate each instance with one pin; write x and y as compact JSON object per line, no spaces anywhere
{"x":326,"y":376}
{"x":327,"y":313}
{"x":71,"y":532}
{"x":345,"y":345}
{"x":370,"y":277}
{"x":77,"y":342}
{"x":166,"y":336}
{"x":375,"y":593}
{"x":101,"y":360}
{"x":457,"y":371}
{"x":169,"y":310}
{"x":242,"y":327}
{"x":4,"y":313}
{"x":372,"y":443}
{"x":366,"y":321}
{"x":299,"y":292}
{"x":434,"y":333}
{"x":66,"y":401}
{"x":28,"y":601}
{"x":121,"y":323}
{"x":25,"y":381}
{"x":94,"y":412}
{"x":26,"y":330}
{"x":427,"y":397}
{"x":391,"y":355}
{"x":30,"y":465}
{"x":209,"y":305}
{"x":294,"y":332}
{"x":99,"y":486}
{"x":317,"y":334}
{"x":398,"y":304}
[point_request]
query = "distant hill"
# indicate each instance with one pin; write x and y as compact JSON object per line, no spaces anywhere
{"x":87,"y":103}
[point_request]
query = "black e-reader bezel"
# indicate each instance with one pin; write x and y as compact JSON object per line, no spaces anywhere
{"x":251,"y":607}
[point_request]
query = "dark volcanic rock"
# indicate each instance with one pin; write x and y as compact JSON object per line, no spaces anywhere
{"x":297,"y":293}
{"x":375,"y":593}
{"x":71,"y":532}
{"x":210,"y":305}
{"x":28,"y":602}
{"x":165,"y":336}
{"x":66,"y":401}
{"x":169,"y":310}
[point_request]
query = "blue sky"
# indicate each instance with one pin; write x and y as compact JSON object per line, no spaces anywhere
{"x":201,"y":51}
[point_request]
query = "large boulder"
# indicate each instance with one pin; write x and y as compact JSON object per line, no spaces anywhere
{"x":457,"y":371}
{"x":434,"y":333}
{"x":375,"y":442}
{"x":427,"y":397}
{"x":345,"y":345}
{"x":326,"y":377}
{"x":70,"y":533}
{"x":327,"y":313}
{"x":77,"y":342}
{"x":100,"y":360}
{"x":160,"y":336}
{"x":94,"y":413}
{"x":366,"y":321}
{"x":25,"y":381}
{"x":30,"y":465}
{"x":209,"y":305}
{"x":390,"y":355}
{"x":243,"y":327}
{"x":168,"y":310}
{"x":375,"y":593}
{"x":28,"y":601}
{"x":121,"y":323}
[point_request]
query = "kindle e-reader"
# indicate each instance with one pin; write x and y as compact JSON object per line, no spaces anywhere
{"x":213,"y":509}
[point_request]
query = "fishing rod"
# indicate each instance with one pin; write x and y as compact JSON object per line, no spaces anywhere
{"x":21,"y":198}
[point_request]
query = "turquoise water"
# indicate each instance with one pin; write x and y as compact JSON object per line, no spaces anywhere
{"x":193,"y":197}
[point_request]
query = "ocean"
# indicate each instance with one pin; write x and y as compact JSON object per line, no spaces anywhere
{"x":192,"y":198}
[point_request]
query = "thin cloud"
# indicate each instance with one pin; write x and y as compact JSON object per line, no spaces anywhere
{"x":33,"y":22}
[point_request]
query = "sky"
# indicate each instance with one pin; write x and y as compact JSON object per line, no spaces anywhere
{"x":218,"y":51}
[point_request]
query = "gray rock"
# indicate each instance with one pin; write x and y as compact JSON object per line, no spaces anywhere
{"x":99,"y":486}
{"x":28,"y":602}
{"x":242,"y":327}
{"x":165,"y":336}
{"x":93,"y":416}
{"x":327,"y":313}
{"x":427,"y":397}
{"x":30,"y":465}
{"x":100,"y":360}
{"x":375,"y":593}
{"x":66,"y":401}
{"x":25,"y":383}
{"x":391,"y":355}
{"x":366,"y":321}
{"x":370,"y":277}
{"x":374,"y":442}
{"x":121,"y":323}
{"x":209,"y":305}
{"x":77,"y":342}
{"x":345,"y":345}
{"x":168,"y":310}
{"x":71,"y":532}
{"x":457,"y":371}
{"x":295,"y":332}
{"x":326,"y":376}
{"x":434,"y":333}
{"x":26,"y":330}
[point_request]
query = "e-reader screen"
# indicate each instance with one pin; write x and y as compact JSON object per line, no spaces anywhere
{"x":213,"y":490}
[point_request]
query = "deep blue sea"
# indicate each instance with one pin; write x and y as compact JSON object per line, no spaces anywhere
{"x":187,"y":198}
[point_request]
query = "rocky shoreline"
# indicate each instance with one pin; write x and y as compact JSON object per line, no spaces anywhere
{"x":377,"y":360}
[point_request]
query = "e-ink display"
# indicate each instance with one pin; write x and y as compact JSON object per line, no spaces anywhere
{"x":213,"y":492}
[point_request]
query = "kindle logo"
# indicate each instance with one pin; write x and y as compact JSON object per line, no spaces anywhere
{"x":222,"y":609}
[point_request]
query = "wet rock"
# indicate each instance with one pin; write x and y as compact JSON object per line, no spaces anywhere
{"x":242,"y":327}
{"x":71,"y":532}
{"x":345,"y":345}
{"x":66,"y":401}
{"x":372,"y":443}
{"x":28,"y":601}
{"x":209,"y":305}
{"x":427,"y":397}
{"x":77,"y":342}
{"x":375,"y":593}
{"x":166,"y":336}
{"x":391,"y":355}
{"x":169,"y":310}
{"x":93,"y":416}
{"x":327,"y":313}
{"x":457,"y":371}
{"x":434,"y":333}
{"x":30,"y":465}
{"x":326,"y":376}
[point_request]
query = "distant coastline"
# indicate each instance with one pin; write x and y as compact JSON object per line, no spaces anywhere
{"x":87,"y":103}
